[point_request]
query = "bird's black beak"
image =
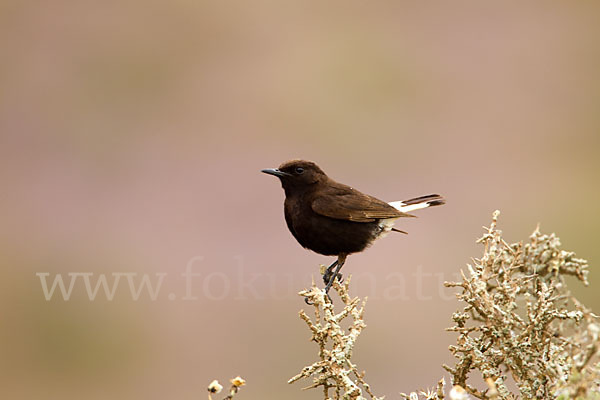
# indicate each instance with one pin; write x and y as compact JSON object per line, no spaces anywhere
{"x":276,"y":172}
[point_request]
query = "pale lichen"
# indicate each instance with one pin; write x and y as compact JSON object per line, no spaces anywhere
{"x":521,"y":328}
{"x":334,"y":370}
{"x":521,"y":333}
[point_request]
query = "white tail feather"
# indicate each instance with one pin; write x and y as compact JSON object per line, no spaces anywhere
{"x":400,"y":206}
{"x":410,"y":205}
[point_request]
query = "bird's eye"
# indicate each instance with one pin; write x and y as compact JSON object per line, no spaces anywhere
{"x":299,"y":170}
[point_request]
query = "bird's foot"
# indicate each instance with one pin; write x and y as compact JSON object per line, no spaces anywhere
{"x":332,"y":278}
{"x":331,"y":275}
{"x":328,"y":276}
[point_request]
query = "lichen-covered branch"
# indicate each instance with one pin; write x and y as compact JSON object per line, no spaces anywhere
{"x":334,"y":371}
{"x":519,"y":327}
{"x":520,"y":323}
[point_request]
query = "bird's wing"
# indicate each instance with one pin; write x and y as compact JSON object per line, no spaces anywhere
{"x":349,"y":204}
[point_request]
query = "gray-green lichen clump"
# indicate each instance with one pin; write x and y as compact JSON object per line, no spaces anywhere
{"x":334,"y":371}
{"x":521,"y":334}
{"x":520,"y":323}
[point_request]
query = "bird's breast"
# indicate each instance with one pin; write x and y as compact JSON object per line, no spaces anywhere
{"x":330,"y":236}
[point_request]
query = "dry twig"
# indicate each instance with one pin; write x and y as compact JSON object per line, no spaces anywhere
{"x":334,"y":369}
{"x":521,"y":323}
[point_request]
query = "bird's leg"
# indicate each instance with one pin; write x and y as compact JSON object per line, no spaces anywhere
{"x":326,"y":278}
{"x":328,"y":272}
{"x":329,"y":275}
{"x":339,"y":264}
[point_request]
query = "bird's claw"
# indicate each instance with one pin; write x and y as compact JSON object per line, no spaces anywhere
{"x":327,"y":277}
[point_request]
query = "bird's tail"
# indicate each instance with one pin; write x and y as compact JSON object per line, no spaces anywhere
{"x":418,"y":203}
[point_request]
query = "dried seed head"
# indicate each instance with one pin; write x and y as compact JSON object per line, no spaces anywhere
{"x":238,"y":381}
{"x":215,"y":387}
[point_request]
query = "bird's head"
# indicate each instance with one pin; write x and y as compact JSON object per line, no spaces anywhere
{"x":297,"y":174}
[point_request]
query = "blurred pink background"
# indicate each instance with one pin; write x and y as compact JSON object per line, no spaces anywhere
{"x":133,"y":133}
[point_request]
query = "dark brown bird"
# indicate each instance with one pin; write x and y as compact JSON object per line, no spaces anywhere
{"x":334,"y":219}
